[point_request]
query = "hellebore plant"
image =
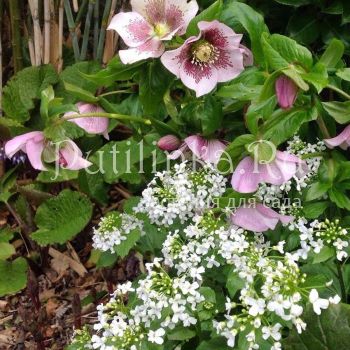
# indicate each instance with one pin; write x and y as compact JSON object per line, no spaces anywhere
{"x":149,"y":24}
{"x":38,"y":149}
{"x":342,"y":140}
{"x":286,"y":91}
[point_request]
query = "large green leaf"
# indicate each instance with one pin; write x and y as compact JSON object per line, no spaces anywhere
{"x":6,"y":250}
{"x":253,"y":22}
{"x":24,"y":88}
{"x":330,"y":331}
{"x":59,"y":219}
{"x":13,"y":276}
{"x":340,"y":111}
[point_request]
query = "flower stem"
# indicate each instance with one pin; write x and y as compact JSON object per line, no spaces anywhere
{"x":339,"y":91}
{"x":341,"y":281}
{"x":312,"y":155}
{"x":110,"y":116}
{"x":116,"y":92}
{"x":323,"y":127}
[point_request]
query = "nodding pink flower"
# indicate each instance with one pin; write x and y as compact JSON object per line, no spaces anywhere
{"x":342,"y":140}
{"x":286,"y":91}
{"x":149,"y":24}
{"x":34,"y":144}
{"x":208,"y":150}
{"x":169,"y":143}
{"x":214,"y":56}
{"x":250,"y":173}
{"x":92,"y":125}
{"x":259,"y":218}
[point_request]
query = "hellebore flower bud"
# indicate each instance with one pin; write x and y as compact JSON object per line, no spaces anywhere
{"x":169,"y":143}
{"x":286,"y":91}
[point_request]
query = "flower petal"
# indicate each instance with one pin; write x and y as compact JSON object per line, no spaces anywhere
{"x":34,"y":150}
{"x":196,"y":144}
{"x":248,"y":58}
{"x":179,"y":13}
{"x":200,"y":79}
{"x":229,"y":64}
{"x":132,"y":27}
{"x":73,"y":156}
{"x":212,"y":151}
{"x":152,"y":10}
{"x":92,"y":125}
{"x":246,"y":177}
{"x":18,"y":142}
{"x":152,"y":48}
{"x":341,"y":140}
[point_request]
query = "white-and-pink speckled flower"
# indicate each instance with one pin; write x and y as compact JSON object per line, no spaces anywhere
{"x":214,"y":56}
{"x":149,"y":24}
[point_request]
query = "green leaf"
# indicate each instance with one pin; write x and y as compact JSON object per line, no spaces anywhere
{"x":316,"y":190}
{"x":115,"y":70}
{"x":6,"y":234}
{"x":318,"y":77}
{"x":107,"y":259}
{"x":24,"y":88}
{"x":295,"y":3}
{"x":252,"y":21}
{"x":47,"y":95}
{"x":209,"y":14}
{"x":93,"y":185}
{"x":325,"y":254}
{"x":333,"y":53}
{"x":80,"y":94}
{"x":343,"y":73}
{"x":62,"y":175}
{"x":121,"y":158}
{"x":329,"y":331}
{"x":181,"y":333}
{"x":125,"y":246}
{"x":339,"y":198}
{"x":340,"y":111}
{"x":13,"y":276}
{"x":61,"y":131}
{"x":314,"y":210}
{"x":214,"y":344}
{"x":61,"y":218}
{"x":6,"y":250}
{"x":154,"y":82}
{"x":284,"y":124}
{"x":234,"y":283}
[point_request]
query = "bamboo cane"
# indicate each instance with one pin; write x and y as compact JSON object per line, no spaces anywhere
{"x":16,"y":35}
{"x":47,"y":29}
{"x":87,"y":30}
{"x":96,"y":26}
{"x":34,"y":9}
{"x":75,"y":6}
{"x":112,"y":37}
{"x":72,"y":27}
{"x":81,"y":12}
{"x":104,"y":24}
{"x":60,"y":35}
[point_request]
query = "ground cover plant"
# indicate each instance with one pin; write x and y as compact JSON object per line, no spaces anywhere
{"x":175,"y":175}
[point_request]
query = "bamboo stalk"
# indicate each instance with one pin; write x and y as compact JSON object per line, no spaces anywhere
{"x":60,"y":36}
{"x":75,"y":6}
{"x":34,"y":9}
{"x":104,"y":24}
{"x":30,"y":42}
{"x":47,"y":29}
{"x":72,"y":27}
{"x":112,"y":37}
{"x":96,"y":26}
{"x":16,"y":35}
{"x":87,"y":30}
{"x":81,"y":12}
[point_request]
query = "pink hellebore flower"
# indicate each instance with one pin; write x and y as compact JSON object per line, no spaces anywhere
{"x":286,"y":91}
{"x":342,"y":140}
{"x":259,"y":218}
{"x":250,"y":173}
{"x":150,"y":23}
{"x":214,"y":56}
{"x":92,"y":125}
{"x":208,"y":150}
{"x":33,"y":143}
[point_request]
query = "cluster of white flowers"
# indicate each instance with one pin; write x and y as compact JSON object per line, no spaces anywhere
{"x":317,"y":235}
{"x":181,"y":193}
{"x":268,"y":293}
{"x":310,"y":153}
{"x":113,"y":230}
